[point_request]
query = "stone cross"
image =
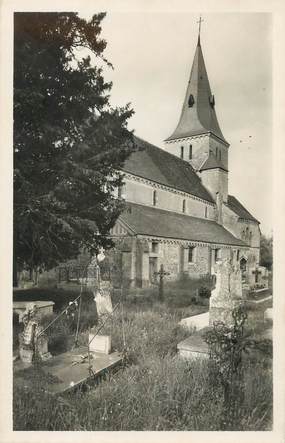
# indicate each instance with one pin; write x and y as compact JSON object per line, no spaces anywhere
{"x":227,"y":293}
{"x":256,"y":272}
{"x":161,"y":273}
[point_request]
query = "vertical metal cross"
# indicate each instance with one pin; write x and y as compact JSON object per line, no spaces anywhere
{"x":200,"y":21}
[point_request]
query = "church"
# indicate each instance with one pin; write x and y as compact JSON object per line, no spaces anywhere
{"x":178,"y":210}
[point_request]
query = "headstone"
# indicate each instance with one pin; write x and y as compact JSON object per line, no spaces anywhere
{"x":32,"y":345}
{"x":100,"y":343}
{"x":268,"y":314}
{"x":227,"y":293}
{"x":103,"y":299}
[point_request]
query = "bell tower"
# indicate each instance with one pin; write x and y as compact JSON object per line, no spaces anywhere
{"x":197,"y":137}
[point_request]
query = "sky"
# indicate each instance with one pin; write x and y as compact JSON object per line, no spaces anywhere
{"x":152,"y":54}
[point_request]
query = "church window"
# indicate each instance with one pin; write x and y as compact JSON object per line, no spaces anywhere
{"x":216,"y":152}
{"x":238,"y":255}
{"x":218,"y":254}
{"x":183,"y":205}
{"x":190,"y":152}
{"x":191,"y":254}
{"x":154,"y":247}
{"x":220,"y":155}
{"x":122,"y":192}
{"x":154,"y":198}
{"x":182,"y":152}
{"x":191,"y":101}
{"x":206,"y":212}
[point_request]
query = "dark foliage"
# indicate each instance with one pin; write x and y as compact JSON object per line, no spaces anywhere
{"x":266,"y":252}
{"x":68,"y":141}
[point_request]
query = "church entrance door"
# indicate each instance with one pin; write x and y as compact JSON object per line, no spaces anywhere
{"x":152,"y":269}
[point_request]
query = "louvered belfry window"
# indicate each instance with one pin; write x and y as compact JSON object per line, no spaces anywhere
{"x":191,"y":101}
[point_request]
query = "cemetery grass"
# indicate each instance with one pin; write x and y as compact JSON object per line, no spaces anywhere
{"x":154,"y":390}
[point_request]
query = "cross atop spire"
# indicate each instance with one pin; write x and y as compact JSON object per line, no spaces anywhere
{"x":199,"y":21}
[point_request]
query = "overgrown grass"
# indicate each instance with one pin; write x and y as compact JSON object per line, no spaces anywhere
{"x":159,"y":393}
{"x":156,"y":390}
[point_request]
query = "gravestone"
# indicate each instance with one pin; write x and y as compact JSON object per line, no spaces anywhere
{"x":227,"y":293}
{"x":100,"y":343}
{"x":33,"y":344}
{"x":225,"y":297}
{"x":103,"y":299}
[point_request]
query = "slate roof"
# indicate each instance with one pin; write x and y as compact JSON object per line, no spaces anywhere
{"x":212,"y":163}
{"x":156,"y":222}
{"x":157,"y":165}
{"x":239,"y":209}
{"x":201,"y":116}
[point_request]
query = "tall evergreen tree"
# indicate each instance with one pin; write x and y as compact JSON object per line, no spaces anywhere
{"x":68,"y":141}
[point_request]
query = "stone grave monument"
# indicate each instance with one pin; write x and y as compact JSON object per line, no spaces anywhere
{"x":33,"y":344}
{"x":227,"y":293}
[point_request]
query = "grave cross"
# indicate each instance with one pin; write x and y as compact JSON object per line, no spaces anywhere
{"x":256,"y":272}
{"x":161,"y":273}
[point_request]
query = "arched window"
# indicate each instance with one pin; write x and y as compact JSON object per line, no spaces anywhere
{"x":190,"y":152}
{"x":218,"y":255}
{"x":154,"y":198}
{"x":182,"y":152}
{"x":191,"y":250}
{"x":183,"y":205}
{"x":220,"y":155}
{"x":216,"y":152}
{"x":238,"y":255}
{"x":206,"y":212}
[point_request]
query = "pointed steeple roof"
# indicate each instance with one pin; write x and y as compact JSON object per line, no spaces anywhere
{"x":198,"y":114}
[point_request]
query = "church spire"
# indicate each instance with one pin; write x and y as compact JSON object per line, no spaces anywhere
{"x":199,"y":32}
{"x":198,"y":115}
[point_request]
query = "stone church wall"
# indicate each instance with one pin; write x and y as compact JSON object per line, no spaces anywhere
{"x":216,"y":180}
{"x":142,"y":193}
